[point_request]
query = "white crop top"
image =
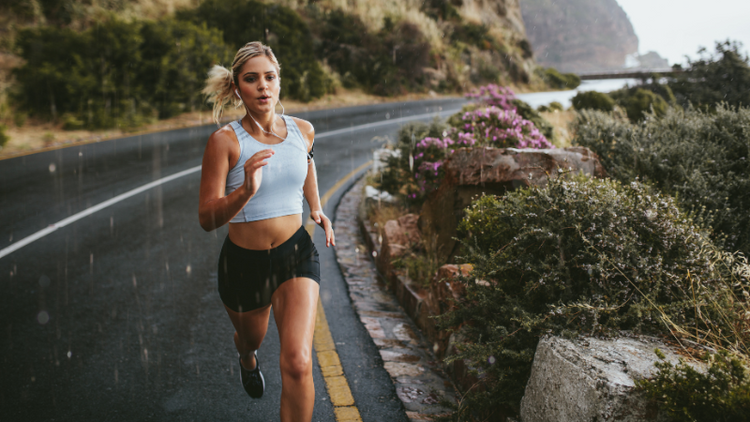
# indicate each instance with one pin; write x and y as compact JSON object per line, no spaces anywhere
{"x":280,"y":192}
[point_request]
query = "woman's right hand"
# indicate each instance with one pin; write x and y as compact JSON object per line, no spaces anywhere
{"x":254,"y":172}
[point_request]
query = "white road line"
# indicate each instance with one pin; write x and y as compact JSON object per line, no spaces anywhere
{"x":88,"y":211}
{"x":383,"y":123}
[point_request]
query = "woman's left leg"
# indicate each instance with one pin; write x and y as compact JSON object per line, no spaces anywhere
{"x":295,"y":305}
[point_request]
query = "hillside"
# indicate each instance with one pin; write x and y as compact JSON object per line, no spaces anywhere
{"x":125,"y":64}
{"x":579,"y":35}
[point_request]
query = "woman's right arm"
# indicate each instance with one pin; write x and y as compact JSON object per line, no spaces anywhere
{"x":215,"y":209}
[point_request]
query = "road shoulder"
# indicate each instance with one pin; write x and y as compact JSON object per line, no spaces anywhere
{"x":406,"y":355}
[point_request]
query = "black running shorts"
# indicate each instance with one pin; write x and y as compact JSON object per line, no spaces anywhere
{"x":248,"y":278}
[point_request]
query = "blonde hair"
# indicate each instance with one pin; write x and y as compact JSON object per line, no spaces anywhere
{"x":218,"y":89}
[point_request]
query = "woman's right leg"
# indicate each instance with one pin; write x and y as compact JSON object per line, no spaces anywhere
{"x":250,"y":330}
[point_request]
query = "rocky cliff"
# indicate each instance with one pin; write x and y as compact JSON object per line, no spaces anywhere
{"x":579,"y":35}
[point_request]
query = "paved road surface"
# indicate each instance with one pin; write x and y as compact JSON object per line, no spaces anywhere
{"x":116,"y":316}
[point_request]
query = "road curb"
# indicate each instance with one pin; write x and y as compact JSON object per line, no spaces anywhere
{"x":407,"y":356}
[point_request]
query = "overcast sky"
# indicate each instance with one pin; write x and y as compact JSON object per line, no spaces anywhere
{"x":675,"y":28}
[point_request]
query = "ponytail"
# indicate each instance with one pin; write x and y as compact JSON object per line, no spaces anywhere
{"x":218,"y":90}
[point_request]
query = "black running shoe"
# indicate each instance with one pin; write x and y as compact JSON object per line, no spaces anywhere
{"x":253,"y":380}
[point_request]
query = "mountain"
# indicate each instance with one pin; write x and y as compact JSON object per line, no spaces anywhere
{"x":579,"y":35}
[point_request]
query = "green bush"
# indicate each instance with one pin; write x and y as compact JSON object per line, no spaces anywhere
{"x":385,"y":63}
{"x":557,"y":80}
{"x":592,"y":100}
{"x":580,"y":256}
{"x":553,"y":106}
{"x":721,"y":77}
{"x":116,"y":73}
{"x":637,"y":102}
{"x":721,"y":394}
{"x":243,"y":21}
{"x":701,"y":158}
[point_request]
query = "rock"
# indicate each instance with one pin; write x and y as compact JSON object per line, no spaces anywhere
{"x":579,"y":36}
{"x":591,"y":379}
{"x":397,"y":236}
{"x":493,"y":171}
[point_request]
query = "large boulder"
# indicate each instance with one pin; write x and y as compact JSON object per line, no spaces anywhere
{"x":592,"y":379}
{"x":492,"y":171}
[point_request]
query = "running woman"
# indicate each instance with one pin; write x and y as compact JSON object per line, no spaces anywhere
{"x":256,"y":172}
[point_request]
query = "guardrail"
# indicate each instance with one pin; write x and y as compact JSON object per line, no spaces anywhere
{"x":628,"y":74}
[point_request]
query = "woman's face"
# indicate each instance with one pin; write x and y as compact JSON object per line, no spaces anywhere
{"x":259,"y":85}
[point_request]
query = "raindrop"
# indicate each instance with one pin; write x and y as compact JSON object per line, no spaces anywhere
{"x":80,"y":154}
{"x":52,"y":167}
{"x":70,"y":354}
{"x":135,"y":283}
{"x":374,"y":254}
{"x":325,"y":295}
{"x":491,"y":360}
{"x":387,"y":116}
{"x":43,"y":317}
{"x":33,"y":379}
{"x":188,"y":269}
{"x":44,"y":281}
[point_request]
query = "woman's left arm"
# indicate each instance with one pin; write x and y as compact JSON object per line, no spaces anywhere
{"x":310,"y":188}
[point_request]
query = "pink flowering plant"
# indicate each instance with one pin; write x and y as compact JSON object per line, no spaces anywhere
{"x":493,"y":95}
{"x":429,"y":154}
{"x":500,"y":128}
{"x":495,"y":121}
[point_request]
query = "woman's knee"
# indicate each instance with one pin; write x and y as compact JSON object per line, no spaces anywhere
{"x":297,"y":364}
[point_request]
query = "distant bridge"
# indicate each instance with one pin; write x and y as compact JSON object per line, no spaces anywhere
{"x":628,"y":74}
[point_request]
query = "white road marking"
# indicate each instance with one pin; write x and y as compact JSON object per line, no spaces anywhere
{"x":85,"y":213}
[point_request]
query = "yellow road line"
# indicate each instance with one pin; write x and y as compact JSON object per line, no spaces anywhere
{"x":328,"y":359}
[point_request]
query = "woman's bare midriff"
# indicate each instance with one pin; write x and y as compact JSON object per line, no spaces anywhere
{"x":264,"y":234}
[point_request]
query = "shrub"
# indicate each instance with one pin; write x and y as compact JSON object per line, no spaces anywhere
{"x":592,"y":100}
{"x":499,"y":128}
{"x":712,"y":79}
{"x":638,"y":101}
{"x":528,"y":113}
{"x":116,"y":73}
{"x":385,"y":63}
{"x":398,"y":177}
{"x":504,"y":98}
{"x":684,"y":394}
{"x":557,"y":80}
{"x":580,"y":256}
{"x":243,"y":21}
{"x":699,"y":157}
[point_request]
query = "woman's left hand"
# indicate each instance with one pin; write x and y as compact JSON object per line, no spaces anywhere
{"x":325,"y":223}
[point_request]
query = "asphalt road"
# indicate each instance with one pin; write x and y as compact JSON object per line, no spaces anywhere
{"x":116,"y":316}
